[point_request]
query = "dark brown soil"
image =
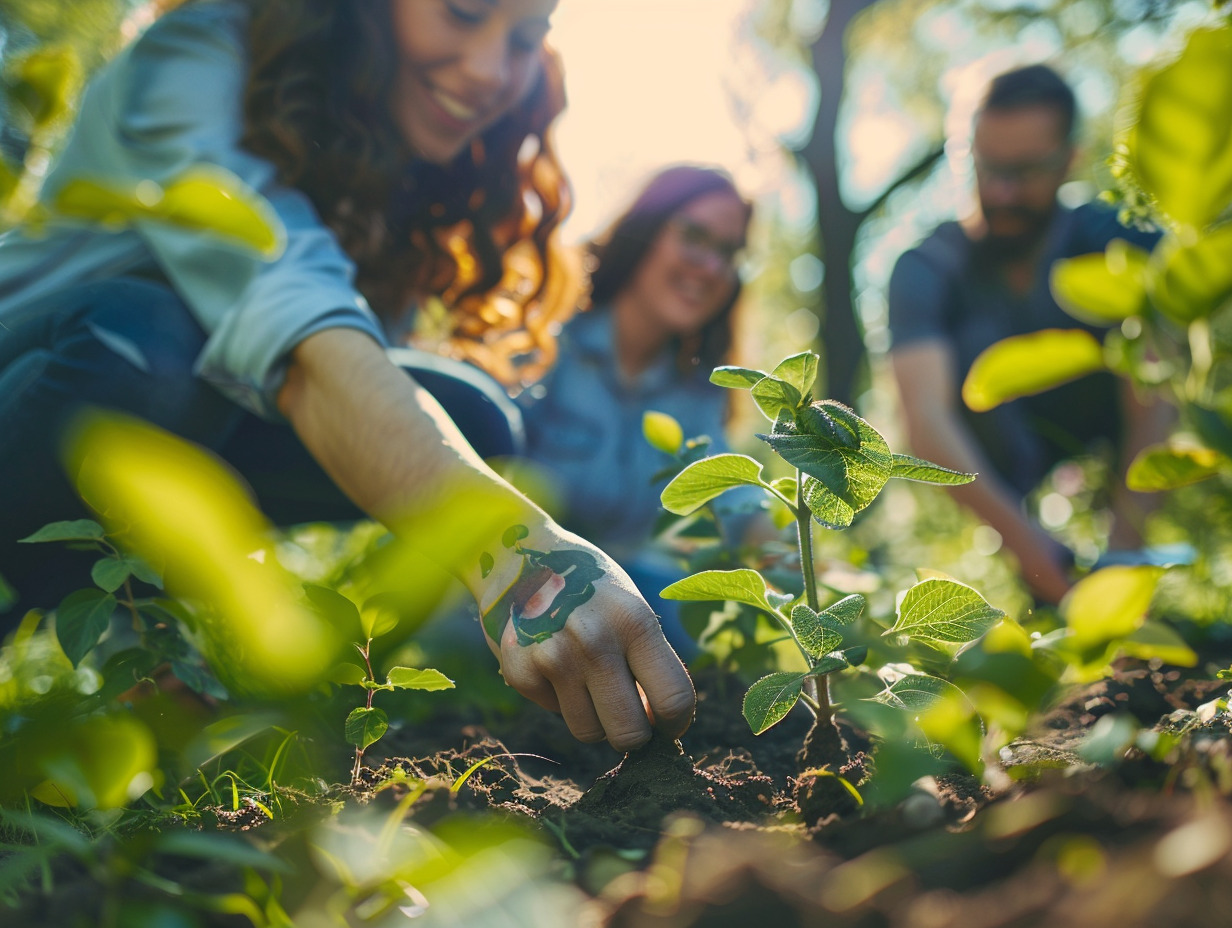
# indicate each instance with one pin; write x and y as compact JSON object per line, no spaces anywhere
{"x":757,"y":831}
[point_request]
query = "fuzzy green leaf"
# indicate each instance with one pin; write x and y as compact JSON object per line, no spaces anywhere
{"x":845,"y":611}
{"x":918,"y":692}
{"x":738,"y":586}
{"x":770,"y":699}
{"x":347,"y":674}
{"x":907,"y":467}
{"x":703,"y":480}
{"x":816,"y":636}
{"x":800,"y":370}
{"x":1166,"y":467}
{"x":846,"y":460}
{"x":828,"y":664}
{"x":77,"y":530}
{"x":408,"y":678}
{"x":772,"y":396}
{"x":513,"y":534}
{"x":1026,"y":364}
{"x":735,"y":378}
{"x":81,"y":619}
{"x":109,"y":573}
{"x":365,"y":726}
{"x":944,"y":611}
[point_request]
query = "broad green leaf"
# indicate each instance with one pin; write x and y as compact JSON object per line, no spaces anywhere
{"x":380,"y":614}
{"x":339,"y":611}
{"x":109,"y":573}
{"x":800,"y":370}
{"x":662,"y":431}
{"x":1155,"y":640}
{"x":770,"y":699}
{"x":845,"y":611}
{"x":347,"y":674}
{"x":1103,"y":288}
{"x":907,"y":467}
{"x":829,"y":664}
{"x":918,"y":692}
{"x":77,"y":530}
{"x":1195,"y":279}
{"x":1109,"y":604}
{"x":846,"y":460}
{"x":737,"y":586}
{"x":408,"y":678}
{"x":735,"y":378}
{"x":703,"y":480}
{"x":1213,"y":426}
{"x":81,"y":619}
{"x":944,"y":611}
{"x":773,"y":396}
{"x":1180,"y":146}
{"x":204,"y":199}
{"x":1166,"y":467}
{"x":1110,"y":737}
{"x":1027,"y":364}
{"x":144,"y":572}
{"x":365,"y":726}
{"x":818,"y":637}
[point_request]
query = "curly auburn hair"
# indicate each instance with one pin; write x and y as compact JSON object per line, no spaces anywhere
{"x":480,"y":233}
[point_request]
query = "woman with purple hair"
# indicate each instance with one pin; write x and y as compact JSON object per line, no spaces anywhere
{"x":664,"y":289}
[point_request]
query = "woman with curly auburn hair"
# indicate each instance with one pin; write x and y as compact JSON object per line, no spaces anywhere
{"x":402,"y":148}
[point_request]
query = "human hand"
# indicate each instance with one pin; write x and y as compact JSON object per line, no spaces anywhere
{"x":573,"y":634}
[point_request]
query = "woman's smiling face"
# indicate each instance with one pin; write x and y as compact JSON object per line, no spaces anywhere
{"x":462,"y":65}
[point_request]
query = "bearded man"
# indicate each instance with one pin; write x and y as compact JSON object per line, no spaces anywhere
{"x":985,"y":277}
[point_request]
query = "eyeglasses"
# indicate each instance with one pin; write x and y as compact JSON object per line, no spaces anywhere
{"x":1023,"y":172}
{"x":698,"y":245}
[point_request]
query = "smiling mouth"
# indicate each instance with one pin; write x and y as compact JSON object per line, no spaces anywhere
{"x":455,"y":107}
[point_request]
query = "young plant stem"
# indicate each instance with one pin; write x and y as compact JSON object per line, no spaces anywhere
{"x":816,"y":692}
{"x":359,"y":752}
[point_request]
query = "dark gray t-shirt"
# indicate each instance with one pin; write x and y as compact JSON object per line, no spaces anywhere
{"x":943,"y":288}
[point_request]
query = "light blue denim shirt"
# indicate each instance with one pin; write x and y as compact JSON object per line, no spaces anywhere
{"x":170,"y":101}
{"x":584,"y":427}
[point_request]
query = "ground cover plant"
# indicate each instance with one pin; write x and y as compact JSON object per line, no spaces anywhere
{"x":175,"y":747}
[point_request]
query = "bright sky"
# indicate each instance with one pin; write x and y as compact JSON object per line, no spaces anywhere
{"x":649,"y":83}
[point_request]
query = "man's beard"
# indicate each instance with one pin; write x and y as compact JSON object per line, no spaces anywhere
{"x":993,"y":247}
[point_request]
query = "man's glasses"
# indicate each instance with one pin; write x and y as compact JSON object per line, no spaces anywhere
{"x":1023,"y":172}
{"x":699,"y":246}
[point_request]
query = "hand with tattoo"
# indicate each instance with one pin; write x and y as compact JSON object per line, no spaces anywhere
{"x":574,"y":635}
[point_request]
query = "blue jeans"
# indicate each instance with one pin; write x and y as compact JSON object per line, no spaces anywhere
{"x":130,"y":345}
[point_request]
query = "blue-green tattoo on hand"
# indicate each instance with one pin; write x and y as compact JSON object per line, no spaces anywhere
{"x":548,"y":587}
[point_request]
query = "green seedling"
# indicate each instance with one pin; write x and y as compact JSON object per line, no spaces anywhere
{"x":378,"y":616}
{"x":841,"y":464}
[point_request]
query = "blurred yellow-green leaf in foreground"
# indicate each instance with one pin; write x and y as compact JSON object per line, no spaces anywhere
{"x":1180,"y":146}
{"x":1027,"y":364}
{"x":204,"y":199}
{"x":45,"y":83}
{"x":1110,"y":603}
{"x":1168,"y":466}
{"x":662,"y":431}
{"x":103,"y":762}
{"x":1194,"y":279}
{"x":175,"y":504}
{"x":1102,"y":288}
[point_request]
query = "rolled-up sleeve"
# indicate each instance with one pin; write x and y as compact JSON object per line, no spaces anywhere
{"x":173,"y":101}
